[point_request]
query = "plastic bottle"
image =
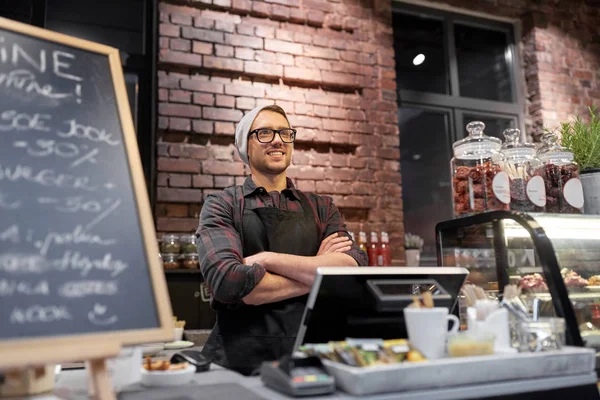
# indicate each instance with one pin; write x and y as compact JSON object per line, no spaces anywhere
{"x":385,"y":253}
{"x":373,"y":249}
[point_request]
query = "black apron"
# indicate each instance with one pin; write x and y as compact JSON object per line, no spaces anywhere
{"x":246,"y":336}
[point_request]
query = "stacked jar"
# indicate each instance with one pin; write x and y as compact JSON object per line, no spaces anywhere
{"x":179,"y":251}
{"x":478,"y":182}
{"x":527,"y":190}
{"x":564,"y":193}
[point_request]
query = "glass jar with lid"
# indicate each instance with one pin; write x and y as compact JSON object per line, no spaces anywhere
{"x":527,"y":189}
{"x":188,"y":244}
{"x":564,"y":193}
{"x":190,"y":261}
{"x":170,"y":260}
{"x":478,"y":182}
{"x":170,"y":243}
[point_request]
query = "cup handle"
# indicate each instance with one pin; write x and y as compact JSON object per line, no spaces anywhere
{"x":455,"y":323}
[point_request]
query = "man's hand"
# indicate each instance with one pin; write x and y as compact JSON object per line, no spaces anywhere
{"x":335,"y":244}
{"x":258,"y":258}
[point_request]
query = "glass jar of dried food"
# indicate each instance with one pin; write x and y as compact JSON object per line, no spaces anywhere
{"x":190,"y":261}
{"x":527,"y":190}
{"x":564,"y":193}
{"x":188,"y":244}
{"x":478,"y":182}
{"x":170,"y":260}
{"x":170,"y":244}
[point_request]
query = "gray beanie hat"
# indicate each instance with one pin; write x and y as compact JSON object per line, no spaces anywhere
{"x":242,"y":130}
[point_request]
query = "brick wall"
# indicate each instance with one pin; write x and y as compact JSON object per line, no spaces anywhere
{"x":560,"y":50}
{"x":329,"y":64}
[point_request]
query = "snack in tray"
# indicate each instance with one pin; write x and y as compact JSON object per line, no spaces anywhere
{"x":572,"y":279}
{"x":533,"y":283}
{"x":466,"y":344}
{"x":594,"y":280}
{"x":163,"y":365}
{"x":178,"y":323}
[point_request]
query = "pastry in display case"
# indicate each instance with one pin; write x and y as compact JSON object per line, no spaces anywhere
{"x":554,"y":259}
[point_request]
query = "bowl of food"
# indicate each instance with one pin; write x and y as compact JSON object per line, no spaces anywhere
{"x":467,"y":344}
{"x":161,"y":373}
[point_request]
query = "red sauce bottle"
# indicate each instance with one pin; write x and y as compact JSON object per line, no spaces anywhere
{"x":373,"y":249}
{"x":385,"y":253}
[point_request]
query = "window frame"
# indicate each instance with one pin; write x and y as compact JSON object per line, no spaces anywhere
{"x":453,"y":100}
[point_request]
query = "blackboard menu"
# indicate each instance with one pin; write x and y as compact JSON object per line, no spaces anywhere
{"x":72,"y":255}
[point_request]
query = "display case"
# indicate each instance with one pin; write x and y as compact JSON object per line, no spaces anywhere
{"x":553,"y":257}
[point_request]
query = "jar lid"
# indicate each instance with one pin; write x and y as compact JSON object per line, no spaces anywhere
{"x":169,"y":255}
{"x":476,"y":144}
{"x":552,"y":150}
{"x":190,"y":256}
{"x":513,"y":145}
{"x":170,"y":236}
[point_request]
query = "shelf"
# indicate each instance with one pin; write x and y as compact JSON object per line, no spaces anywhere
{"x":546,"y":296}
{"x":182,"y":271}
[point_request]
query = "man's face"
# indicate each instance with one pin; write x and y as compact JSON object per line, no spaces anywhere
{"x":269,"y":158}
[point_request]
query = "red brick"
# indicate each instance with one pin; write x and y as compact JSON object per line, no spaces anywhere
{"x":350,"y":24}
{"x":265,"y":57}
{"x":222,"y":168}
{"x":310,"y":173}
{"x":244,"y":53}
{"x":315,"y":18}
{"x":224,"y":26}
{"x":163,"y":43}
{"x":338,"y":79}
{"x":338,"y":113}
{"x":340,"y":44}
{"x":179,"y":110}
{"x":291,"y":3}
{"x":226,"y":64}
{"x":205,"y":99}
{"x":168,"y":81}
{"x":318,"y":52}
{"x":202,"y":86}
{"x":194,"y":151}
{"x":204,"y":35}
{"x":243,"y":41}
{"x":179,"y":96}
{"x":224,"y":128}
{"x":202,"y":47}
{"x":267,"y":32}
{"x":285,"y":59}
{"x":261,"y":9}
{"x":318,"y":97}
{"x":333,"y":21}
{"x":225,"y":101}
{"x":321,"y":40}
{"x":303,"y":109}
{"x":181,"y":19}
{"x":163,"y":94}
{"x":340,"y":138}
{"x":175,"y":57}
{"x":170,"y":195}
{"x":169,"y":30}
{"x":339,"y":160}
{"x":302,"y":74}
{"x":162,"y":179}
{"x":222,"y":114}
{"x":283,"y":47}
{"x":201,"y":126}
{"x":356,"y":115}
{"x":180,"y":124}
{"x":297,"y":16}
{"x":180,"y":180}
{"x":241,"y":6}
{"x":224,"y":181}
{"x":222,"y":152}
{"x":286,"y":105}
{"x":177,"y":165}
{"x":324,"y":6}
{"x":239,"y":89}
{"x":263,"y":69}
{"x":338,"y":125}
{"x":306,"y":62}
{"x":581,"y":74}
{"x":200,"y":22}
{"x":305,"y":122}
{"x":306,"y":186}
{"x":283,"y":94}
{"x":246,"y":29}
{"x":203,"y":181}
{"x":321,"y":111}
{"x":357,"y":162}
{"x":280,"y":13}
{"x":180,"y":44}
{"x":163,"y":122}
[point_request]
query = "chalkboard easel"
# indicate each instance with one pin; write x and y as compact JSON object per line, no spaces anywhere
{"x":81,"y":190}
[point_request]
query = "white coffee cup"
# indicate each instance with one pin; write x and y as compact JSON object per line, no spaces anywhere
{"x":427,"y":329}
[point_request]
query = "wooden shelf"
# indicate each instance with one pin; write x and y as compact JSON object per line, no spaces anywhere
{"x":182,"y":271}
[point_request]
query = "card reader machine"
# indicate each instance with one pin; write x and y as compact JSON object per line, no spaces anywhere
{"x":297,"y":376}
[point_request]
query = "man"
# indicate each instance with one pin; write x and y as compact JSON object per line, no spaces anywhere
{"x":260,"y":245}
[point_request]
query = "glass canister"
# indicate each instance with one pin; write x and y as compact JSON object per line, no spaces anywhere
{"x":564,"y":193}
{"x":170,"y":260}
{"x":188,"y":244}
{"x":170,"y":243}
{"x":527,"y":189}
{"x":190,"y":261}
{"x":478,"y":182}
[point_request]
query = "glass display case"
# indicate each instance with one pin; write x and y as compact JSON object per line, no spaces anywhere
{"x":552,"y":257}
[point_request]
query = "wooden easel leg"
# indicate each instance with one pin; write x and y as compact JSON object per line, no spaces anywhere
{"x":101,"y":380}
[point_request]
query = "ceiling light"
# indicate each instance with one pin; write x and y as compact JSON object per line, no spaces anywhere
{"x":418,"y":60}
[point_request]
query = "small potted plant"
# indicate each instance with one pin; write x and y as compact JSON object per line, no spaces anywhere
{"x":413,"y":245}
{"x":583,"y":139}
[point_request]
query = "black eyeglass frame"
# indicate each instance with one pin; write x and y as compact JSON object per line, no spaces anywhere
{"x":274,"y":131}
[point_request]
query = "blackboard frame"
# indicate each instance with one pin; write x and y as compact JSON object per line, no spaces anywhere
{"x":97,"y":346}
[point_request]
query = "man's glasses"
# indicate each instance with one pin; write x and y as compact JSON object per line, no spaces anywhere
{"x":266,"y":135}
